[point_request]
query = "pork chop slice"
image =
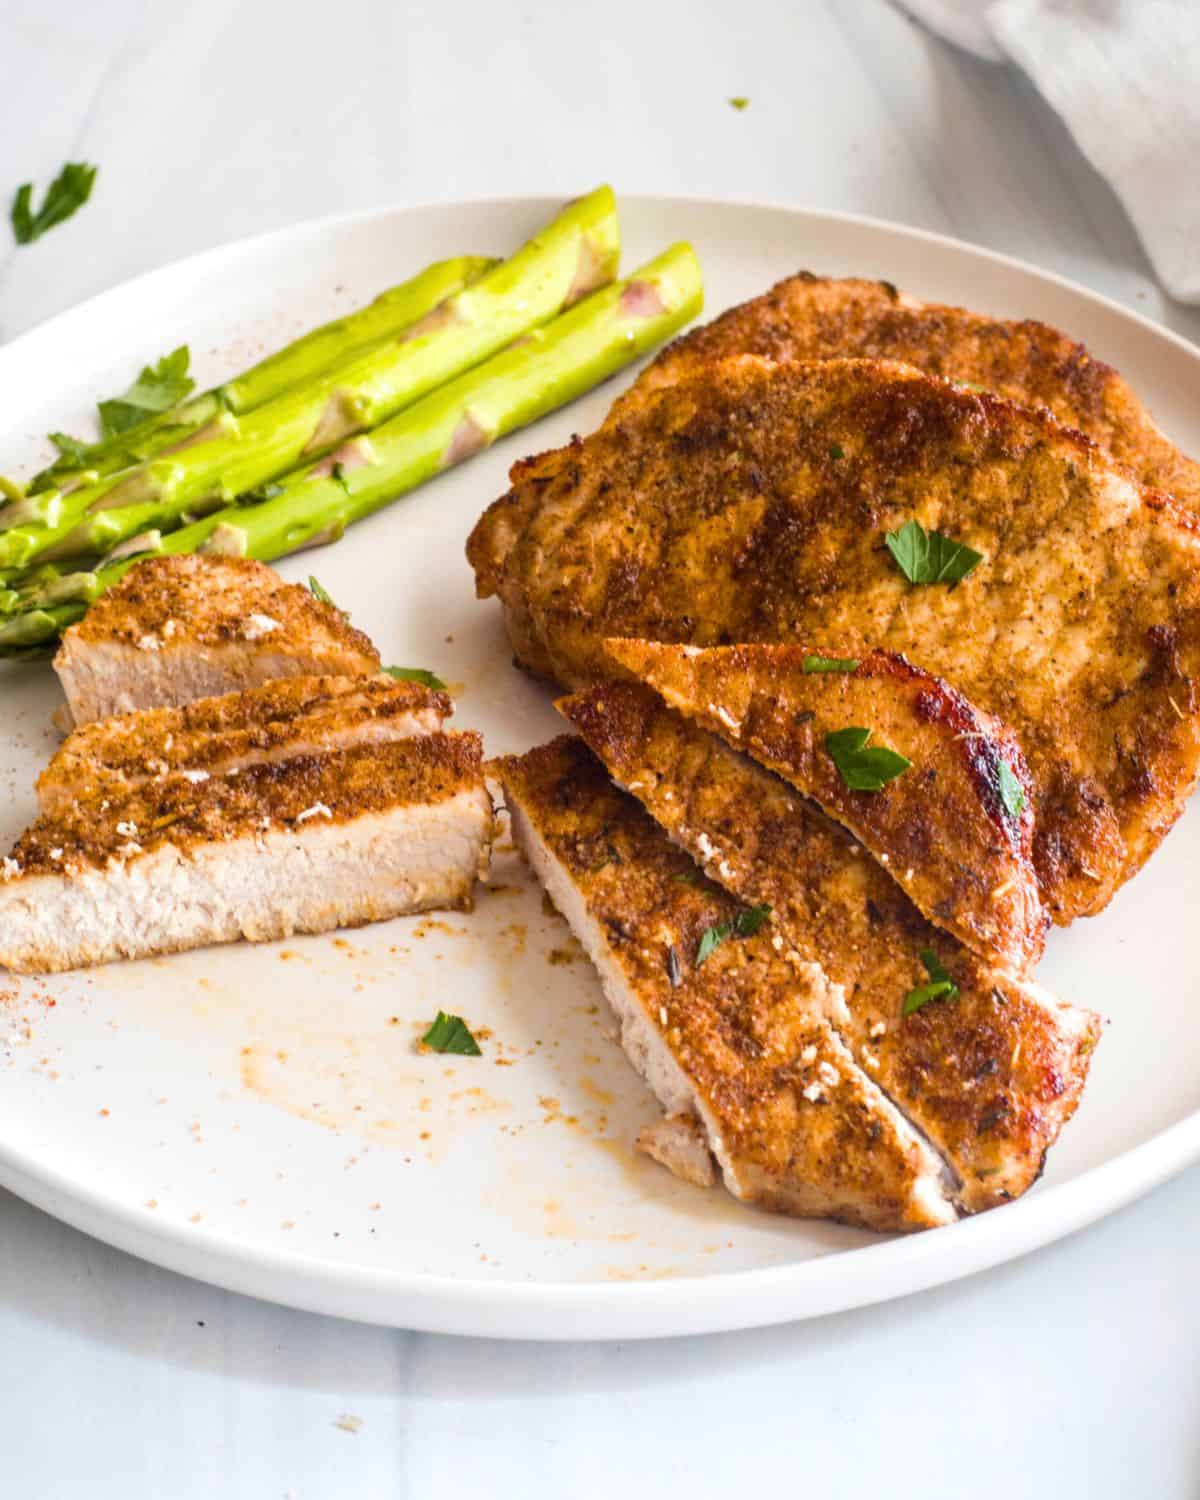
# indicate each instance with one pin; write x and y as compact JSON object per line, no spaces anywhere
{"x":753,"y":503}
{"x":179,"y":628}
{"x":213,"y":736}
{"x":989,"y":1075}
{"x":955,"y":829}
{"x":737,"y":1046}
{"x":820,"y":317}
{"x":302,"y":845}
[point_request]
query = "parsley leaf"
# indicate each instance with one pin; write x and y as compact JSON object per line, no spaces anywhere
{"x":929,"y":557}
{"x":686,"y":877}
{"x":451,"y":1034}
{"x":940,"y":987}
{"x":338,"y":473}
{"x":1012,"y":793}
{"x":836,"y":451}
{"x":69,"y":191}
{"x":863,"y":768}
{"x":830,"y":664}
{"x":712,"y":937}
{"x":68,"y":447}
{"x":745,"y":924}
{"x":158,"y":388}
{"x":739,"y":102}
{"x":318,"y":591}
{"x":415,"y":674}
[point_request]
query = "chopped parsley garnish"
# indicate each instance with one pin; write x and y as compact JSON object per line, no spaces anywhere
{"x":745,"y":924}
{"x":687,"y":877}
{"x":863,"y":767}
{"x":318,"y":591}
{"x":929,"y":557}
{"x":1012,"y":793}
{"x":158,"y":388}
{"x":836,"y":451}
{"x":739,"y":102}
{"x":416,"y":674}
{"x":830,"y":664}
{"x":451,"y":1034}
{"x":339,"y":474}
{"x":940,"y":986}
{"x":69,"y":191}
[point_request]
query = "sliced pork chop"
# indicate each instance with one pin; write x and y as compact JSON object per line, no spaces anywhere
{"x":737,"y":1048}
{"x":179,"y":628}
{"x":753,"y":504}
{"x":282,"y":719}
{"x":955,"y":830}
{"x":990,"y":1076}
{"x":818,"y":317}
{"x":302,"y":845}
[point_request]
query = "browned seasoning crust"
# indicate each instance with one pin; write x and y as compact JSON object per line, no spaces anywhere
{"x":805,"y":1131}
{"x":205,"y":600}
{"x":990,"y":1077}
{"x":330,"y":789}
{"x":750,"y":504}
{"x":942,"y":828}
{"x":818,"y":317}
{"x":209,"y":734}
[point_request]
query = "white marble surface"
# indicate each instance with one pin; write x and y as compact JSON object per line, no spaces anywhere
{"x":1073,"y":1372}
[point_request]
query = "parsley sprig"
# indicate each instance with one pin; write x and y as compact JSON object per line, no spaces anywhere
{"x":863,"y":767}
{"x":158,"y":388}
{"x":940,"y":986}
{"x":929,"y":556}
{"x":69,"y":191}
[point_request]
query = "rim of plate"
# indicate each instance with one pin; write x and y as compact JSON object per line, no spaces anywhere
{"x":604,"y":1310}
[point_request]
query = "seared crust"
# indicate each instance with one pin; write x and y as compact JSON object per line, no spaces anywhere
{"x":751,"y":503}
{"x":202,"y":600}
{"x":817,"y":317}
{"x":990,"y":1077}
{"x":185,"y":814}
{"x":942,"y":828}
{"x":111,"y":756}
{"x":801,"y":1129}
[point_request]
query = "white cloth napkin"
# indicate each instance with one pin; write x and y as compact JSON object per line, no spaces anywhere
{"x":1125,"y":77}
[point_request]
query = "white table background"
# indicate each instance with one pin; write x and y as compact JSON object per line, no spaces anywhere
{"x":1073,"y":1372}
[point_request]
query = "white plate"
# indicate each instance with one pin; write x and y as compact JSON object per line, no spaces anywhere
{"x":258,"y":1117}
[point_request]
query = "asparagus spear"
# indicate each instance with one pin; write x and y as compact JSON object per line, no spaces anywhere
{"x":233,"y":455}
{"x":325,"y":347}
{"x":548,"y":368}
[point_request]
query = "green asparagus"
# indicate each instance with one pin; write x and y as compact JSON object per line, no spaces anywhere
{"x":325,"y":347}
{"x":543,"y":371}
{"x":234,"y":454}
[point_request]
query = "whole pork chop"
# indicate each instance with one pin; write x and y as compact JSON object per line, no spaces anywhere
{"x":821,"y":317}
{"x":753,"y":502}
